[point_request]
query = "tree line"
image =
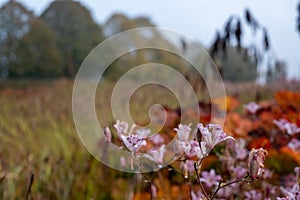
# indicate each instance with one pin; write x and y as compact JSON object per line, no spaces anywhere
{"x":55,"y":43}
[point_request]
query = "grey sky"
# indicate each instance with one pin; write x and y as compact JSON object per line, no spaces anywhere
{"x":199,"y":19}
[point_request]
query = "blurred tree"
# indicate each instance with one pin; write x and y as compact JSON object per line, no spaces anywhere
{"x":119,"y":22}
{"x":75,"y":30}
{"x":241,"y":65}
{"x":37,"y":54}
{"x":14,"y":24}
{"x":279,"y":72}
{"x":238,"y":65}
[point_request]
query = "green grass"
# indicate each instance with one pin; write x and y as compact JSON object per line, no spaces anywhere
{"x":38,"y":136}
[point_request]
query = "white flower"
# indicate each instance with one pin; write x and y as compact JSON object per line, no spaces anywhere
{"x":294,"y":144}
{"x":157,"y":139}
{"x":143,"y":132}
{"x":284,"y":125}
{"x":182,"y":147}
{"x":183,"y":132}
{"x":251,"y":107}
{"x":156,"y":155}
{"x":212,"y":134}
{"x":131,"y":141}
{"x":122,"y":127}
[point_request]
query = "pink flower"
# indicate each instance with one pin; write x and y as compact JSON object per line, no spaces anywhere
{"x":194,"y":150}
{"x":132,"y":141}
{"x":253,"y":195}
{"x":207,"y":138}
{"x":284,"y":125}
{"x":182,"y":147}
{"x":293,"y":194}
{"x":187,"y":168}
{"x":294,"y":144}
{"x":256,"y":162}
{"x":212,"y":134}
{"x":183,"y":132}
{"x":143,"y":132}
{"x":210,"y":178}
{"x":239,"y":171}
{"x":156,"y":155}
{"x":251,"y":107}
{"x":182,"y":144}
{"x":122,"y":127}
{"x":240,"y":149}
{"x":197,"y":196}
{"x":157,"y":139}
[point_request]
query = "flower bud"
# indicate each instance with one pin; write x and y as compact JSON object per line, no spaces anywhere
{"x":255,"y":162}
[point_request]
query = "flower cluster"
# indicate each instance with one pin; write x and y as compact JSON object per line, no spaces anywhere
{"x":251,"y":107}
{"x":190,"y":148}
{"x":201,"y":143}
{"x":284,"y":125}
{"x":132,"y":141}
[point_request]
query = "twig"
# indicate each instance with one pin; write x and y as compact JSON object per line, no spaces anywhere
{"x":29,"y":186}
{"x":222,"y":185}
{"x":2,"y":178}
{"x":198,"y":178}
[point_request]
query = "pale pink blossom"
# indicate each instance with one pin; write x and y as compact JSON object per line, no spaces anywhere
{"x":294,"y":144}
{"x":182,"y":147}
{"x":207,"y":138}
{"x":183,"y":132}
{"x":197,"y":196}
{"x":156,"y":155}
{"x":143,"y":132}
{"x":212,"y":134}
{"x":289,"y":127}
{"x":210,"y":178}
{"x":187,"y":168}
{"x":240,"y":149}
{"x":251,"y":107}
{"x":253,"y":195}
{"x":239,"y":171}
{"x":194,"y":150}
{"x":122,"y":127}
{"x":293,"y":194}
{"x":133,"y":142}
{"x":157,"y":139}
{"x":182,"y":143}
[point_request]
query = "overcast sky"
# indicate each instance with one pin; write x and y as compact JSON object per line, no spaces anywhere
{"x":199,"y":19}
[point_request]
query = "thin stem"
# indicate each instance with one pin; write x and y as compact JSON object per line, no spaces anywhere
{"x":198,"y":178}
{"x":150,"y":186}
{"x":2,"y":178}
{"x":220,"y":185}
{"x":190,"y":187}
{"x":29,"y":186}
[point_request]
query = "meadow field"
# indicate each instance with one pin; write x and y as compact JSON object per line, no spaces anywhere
{"x":41,"y":156}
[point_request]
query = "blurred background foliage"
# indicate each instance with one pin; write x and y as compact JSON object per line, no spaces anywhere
{"x":55,"y":43}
